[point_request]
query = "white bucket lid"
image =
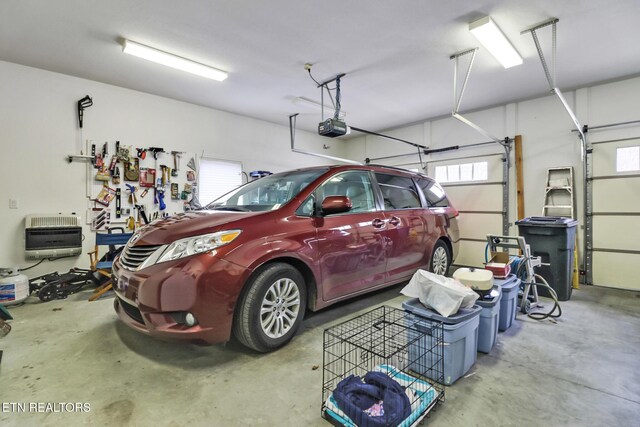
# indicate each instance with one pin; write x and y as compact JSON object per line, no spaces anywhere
{"x":475,"y":278}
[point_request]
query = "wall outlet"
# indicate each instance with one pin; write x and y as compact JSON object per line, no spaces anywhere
{"x":13,"y":203}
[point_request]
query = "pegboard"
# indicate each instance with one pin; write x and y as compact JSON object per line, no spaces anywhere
{"x":148,"y":171}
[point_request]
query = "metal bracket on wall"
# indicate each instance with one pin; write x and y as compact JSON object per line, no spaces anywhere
{"x":457,"y":99}
{"x":504,"y":143}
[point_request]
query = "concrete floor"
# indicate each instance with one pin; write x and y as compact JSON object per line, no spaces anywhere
{"x":584,"y":370}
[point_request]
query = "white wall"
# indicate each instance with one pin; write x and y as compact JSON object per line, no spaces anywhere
{"x":38,"y":129}
{"x":546,"y":135}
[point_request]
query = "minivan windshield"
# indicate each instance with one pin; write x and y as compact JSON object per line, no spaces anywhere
{"x":267,"y":193}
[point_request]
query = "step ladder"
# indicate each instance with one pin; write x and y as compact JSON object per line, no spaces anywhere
{"x":559,"y":201}
{"x":558,"y":194}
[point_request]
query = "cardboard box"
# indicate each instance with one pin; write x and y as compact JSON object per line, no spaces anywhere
{"x":499,"y":264}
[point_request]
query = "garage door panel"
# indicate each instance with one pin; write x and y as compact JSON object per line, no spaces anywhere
{"x":471,"y":254}
{"x":612,"y":270}
{"x":477,"y":226}
{"x":616,"y":195}
{"x":494,"y":165}
{"x":616,"y":232}
{"x":605,"y":156}
{"x":476,"y":197}
{"x":615,"y":192}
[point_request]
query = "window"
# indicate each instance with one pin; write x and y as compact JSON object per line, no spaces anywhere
{"x":356,"y":186}
{"x":628,"y":159}
{"x":462,"y":172}
{"x":399,"y":192}
{"x":217,"y":177}
{"x":435,"y":195}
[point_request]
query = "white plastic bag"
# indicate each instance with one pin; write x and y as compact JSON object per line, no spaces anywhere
{"x":443,"y":294}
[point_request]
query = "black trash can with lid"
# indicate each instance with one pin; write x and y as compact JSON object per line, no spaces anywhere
{"x":552,"y":238}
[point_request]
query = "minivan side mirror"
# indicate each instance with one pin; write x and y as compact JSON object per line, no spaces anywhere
{"x":335,"y":205}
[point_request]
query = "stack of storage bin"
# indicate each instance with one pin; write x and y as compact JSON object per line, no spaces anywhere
{"x":489,"y":320}
{"x":509,"y":302}
{"x":460,"y":338}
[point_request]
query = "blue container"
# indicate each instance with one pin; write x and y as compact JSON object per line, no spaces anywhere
{"x":460,"y":339}
{"x":489,"y":320}
{"x":509,"y":302}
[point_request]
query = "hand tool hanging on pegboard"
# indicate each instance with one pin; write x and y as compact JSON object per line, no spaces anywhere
{"x":118,"y":202}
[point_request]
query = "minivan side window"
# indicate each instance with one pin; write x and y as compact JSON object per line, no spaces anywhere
{"x":434,"y":193}
{"x":356,"y":185}
{"x":398,"y":192}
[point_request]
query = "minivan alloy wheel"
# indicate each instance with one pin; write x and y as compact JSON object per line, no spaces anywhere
{"x":271,"y":309}
{"x":279,"y":309}
{"x":440,"y":260}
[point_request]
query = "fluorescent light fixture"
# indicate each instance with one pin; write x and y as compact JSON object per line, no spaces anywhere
{"x":328,"y":109}
{"x":173,"y":61}
{"x":494,"y":40}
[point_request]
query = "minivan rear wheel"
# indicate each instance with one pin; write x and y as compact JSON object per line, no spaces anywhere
{"x":271,"y":309}
{"x":440,"y":258}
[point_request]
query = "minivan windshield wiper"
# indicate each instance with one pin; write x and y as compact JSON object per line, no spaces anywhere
{"x":231,"y":208}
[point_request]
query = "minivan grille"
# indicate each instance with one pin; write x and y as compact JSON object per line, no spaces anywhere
{"x":131,"y":311}
{"x":133,"y":256}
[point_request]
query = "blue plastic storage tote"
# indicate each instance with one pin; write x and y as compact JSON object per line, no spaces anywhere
{"x":489,"y":319}
{"x":460,"y":338}
{"x":509,"y":301}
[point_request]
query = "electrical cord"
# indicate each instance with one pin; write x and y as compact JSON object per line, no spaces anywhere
{"x":32,"y":266}
{"x":317,"y":82}
{"x":43,"y":260}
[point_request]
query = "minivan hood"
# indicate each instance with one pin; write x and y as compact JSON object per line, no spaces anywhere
{"x":165,"y":231}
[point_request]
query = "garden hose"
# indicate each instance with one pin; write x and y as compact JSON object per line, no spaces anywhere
{"x":554,"y":296}
{"x":519,"y":268}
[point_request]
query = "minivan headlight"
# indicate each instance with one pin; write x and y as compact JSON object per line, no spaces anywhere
{"x":198,"y":244}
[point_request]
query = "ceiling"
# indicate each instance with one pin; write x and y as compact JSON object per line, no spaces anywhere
{"x":395,"y":53}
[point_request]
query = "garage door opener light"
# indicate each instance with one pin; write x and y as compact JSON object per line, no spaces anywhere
{"x":494,"y":40}
{"x":173,"y":61}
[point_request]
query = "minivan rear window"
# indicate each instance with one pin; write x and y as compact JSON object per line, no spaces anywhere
{"x":434,"y":193}
{"x":267,"y":193}
{"x":398,"y":192}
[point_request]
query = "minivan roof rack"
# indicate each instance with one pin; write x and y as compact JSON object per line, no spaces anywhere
{"x":391,"y":167}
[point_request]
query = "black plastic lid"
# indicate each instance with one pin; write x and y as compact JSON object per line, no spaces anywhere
{"x":491,"y":298}
{"x":547,"y":221}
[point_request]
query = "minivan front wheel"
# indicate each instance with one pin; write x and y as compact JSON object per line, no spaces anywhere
{"x":271,"y":310}
{"x":440,"y":258}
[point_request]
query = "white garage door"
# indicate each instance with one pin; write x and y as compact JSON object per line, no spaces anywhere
{"x":616,"y":213}
{"x":475,"y":186}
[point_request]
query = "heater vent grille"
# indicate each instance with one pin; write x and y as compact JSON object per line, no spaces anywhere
{"x":52,"y":220}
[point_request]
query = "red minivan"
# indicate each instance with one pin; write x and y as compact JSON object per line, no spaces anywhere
{"x":251,"y":262}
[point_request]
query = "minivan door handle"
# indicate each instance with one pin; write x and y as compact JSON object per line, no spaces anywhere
{"x":394,"y":220}
{"x":377,"y":223}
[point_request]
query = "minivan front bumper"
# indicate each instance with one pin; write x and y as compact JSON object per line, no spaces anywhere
{"x":155,"y":300}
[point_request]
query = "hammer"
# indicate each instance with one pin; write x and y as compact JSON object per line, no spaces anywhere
{"x":176,"y":162}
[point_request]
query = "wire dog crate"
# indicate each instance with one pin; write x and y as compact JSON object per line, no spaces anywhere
{"x":386,"y":340}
